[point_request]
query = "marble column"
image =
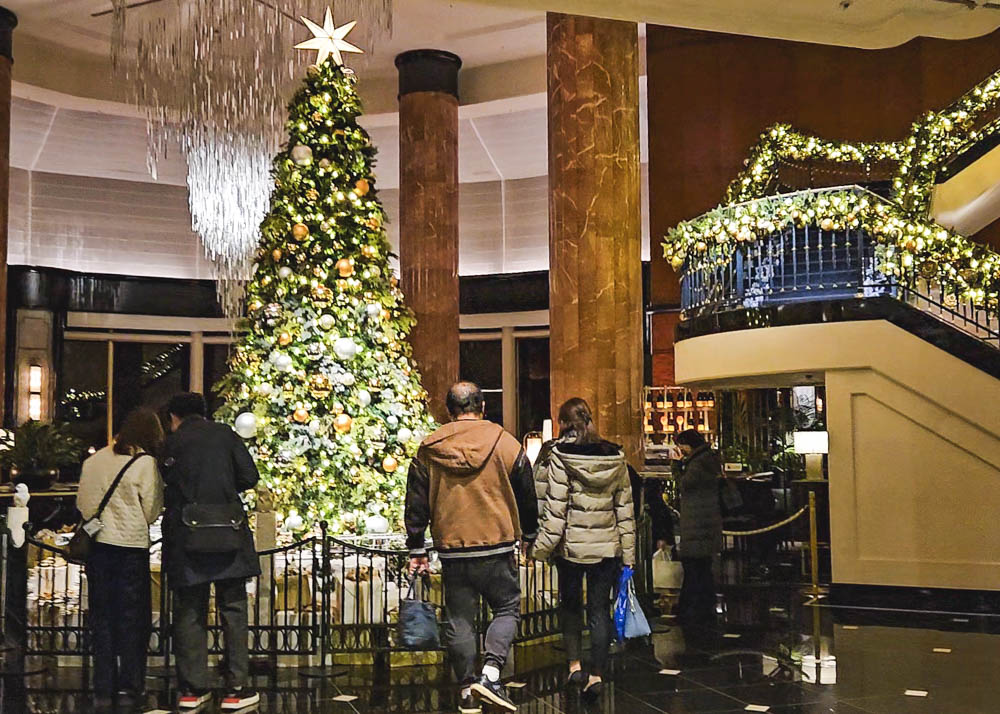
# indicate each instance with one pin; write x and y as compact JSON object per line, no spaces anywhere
{"x":428,"y":213}
{"x":8,"y":21}
{"x":595,"y":263}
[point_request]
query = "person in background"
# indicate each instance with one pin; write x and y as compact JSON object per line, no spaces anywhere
{"x":118,"y":566}
{"x":471,"y":482}
{"x":588,"y":527}
{"x":701,"y":527}
{"x":205,"y":463}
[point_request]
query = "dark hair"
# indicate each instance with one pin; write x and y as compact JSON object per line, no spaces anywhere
{"x":187,"y":404}
{"x":141,"y":431}
{"x":465,"y":398}
{"x":577,"y":422}
{"x":690,"y":437}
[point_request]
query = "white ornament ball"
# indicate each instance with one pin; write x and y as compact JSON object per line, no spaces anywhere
{"x":327,"y":322}
{"x":246,"y":425}
{"x":345,"y":348}
{"x":302,"y":155}
{"x":377,"y":524}
{"x":283,"y":362}
{"x":404,"y":435}
{"x":315,"y":426}
{"x":373,"y":310}
{"x":347,"y":379}
{"x":355,"y":450}
{"x":284,"y":272}
{"x":392,"y":421}
{"x":265,"y":389}
{"x":364,"y":397}
{"x":293,"y":522}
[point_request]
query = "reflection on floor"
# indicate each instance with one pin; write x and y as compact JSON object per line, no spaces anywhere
{"x":771,"y":652}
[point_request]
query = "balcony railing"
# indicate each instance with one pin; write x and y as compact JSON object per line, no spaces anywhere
{"x":807,"y":263}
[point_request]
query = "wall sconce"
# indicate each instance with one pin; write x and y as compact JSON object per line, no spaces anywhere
{"x":35,"y":393}
{"x":532,"y":445}
{"x":813,"y":444}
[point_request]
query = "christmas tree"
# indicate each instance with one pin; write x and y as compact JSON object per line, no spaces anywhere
{"x":322,"y":384}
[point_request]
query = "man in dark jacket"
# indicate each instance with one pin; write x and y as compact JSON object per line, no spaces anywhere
{"x":205,"y":464}
{"x":471,"y":482}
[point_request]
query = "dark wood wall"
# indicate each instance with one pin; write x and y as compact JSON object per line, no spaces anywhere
{"x":711,"y":95}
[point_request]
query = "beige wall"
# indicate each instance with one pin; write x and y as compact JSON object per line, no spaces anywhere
{"x":914,"y":445}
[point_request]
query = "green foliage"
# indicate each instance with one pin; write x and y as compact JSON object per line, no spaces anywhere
{"x":35,"y":446}
{"x":324,"y":364}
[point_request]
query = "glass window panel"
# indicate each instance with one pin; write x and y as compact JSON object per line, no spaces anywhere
{"x":147,"y":375}
{"x":83,"y":383}
{"x":481,"y":361}
{"x":532,"y":383}
{"x":216,"y":367}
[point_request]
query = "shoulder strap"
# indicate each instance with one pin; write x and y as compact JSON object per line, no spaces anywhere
{"x":114,"y":484}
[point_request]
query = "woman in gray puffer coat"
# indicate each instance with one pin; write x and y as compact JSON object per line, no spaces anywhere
{"x":588,"y":527}
{"x":701,"y":527}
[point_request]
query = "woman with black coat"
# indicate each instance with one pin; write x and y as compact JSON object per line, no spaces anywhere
{"x":701,"y":527}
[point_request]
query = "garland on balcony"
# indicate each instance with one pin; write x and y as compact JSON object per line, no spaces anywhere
{"x":967,"y":269}
{"x":963,"y":267}
{"x":782,"y":143}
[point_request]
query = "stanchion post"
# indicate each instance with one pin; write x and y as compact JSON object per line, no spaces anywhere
{"x":813,"y":545}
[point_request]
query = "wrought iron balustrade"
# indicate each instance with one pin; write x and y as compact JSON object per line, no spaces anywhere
{"x":807,"y":263}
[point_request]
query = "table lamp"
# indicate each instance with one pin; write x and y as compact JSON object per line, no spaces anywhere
{"x":812,"y":444}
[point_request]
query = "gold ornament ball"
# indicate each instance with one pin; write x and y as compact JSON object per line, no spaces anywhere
{"x":301,"y":415}
{"x":284,"y":339}
{"x":342,"y":423}
{"x":389,"y":464}
{"x":276,"y":254}
{"x":385,"y":314}
{"x":362,"y":187}
{"x":826,"y":224}
{"x":300,"y":231}
{"x":911,"y":245}
{"x":701,"y":246}
{"x":345,"y":268}
{"x":677,"y":262}
{"x":369,"y":251}
{"x":319,"y":386}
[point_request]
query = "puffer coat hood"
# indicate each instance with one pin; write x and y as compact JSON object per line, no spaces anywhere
{"x":462,"y":448}
{"x":586,"y":505}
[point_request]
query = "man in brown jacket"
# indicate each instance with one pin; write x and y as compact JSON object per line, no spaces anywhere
{"x":472,"y":483}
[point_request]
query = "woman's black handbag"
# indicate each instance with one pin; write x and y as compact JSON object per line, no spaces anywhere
{"x":418,"y":626}
{"x":213,"y":527}
{"x":82,"y":542}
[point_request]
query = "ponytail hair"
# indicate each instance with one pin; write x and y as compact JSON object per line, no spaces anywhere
{"x":577,"y":423}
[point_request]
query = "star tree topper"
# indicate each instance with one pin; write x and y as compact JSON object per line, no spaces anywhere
{"x":329,"y":39}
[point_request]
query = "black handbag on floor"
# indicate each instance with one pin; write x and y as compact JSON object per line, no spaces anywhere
{"x":82,"y":542}
{"x":418,"y":625}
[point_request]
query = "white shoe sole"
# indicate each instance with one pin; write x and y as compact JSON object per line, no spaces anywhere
{"x":470,"y":710}
{"x":243,"y":704}
{"x":493,"y":699}
{"x":195,"y":703}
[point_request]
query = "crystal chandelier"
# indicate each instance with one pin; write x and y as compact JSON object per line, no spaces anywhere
{"x":211,"y":77}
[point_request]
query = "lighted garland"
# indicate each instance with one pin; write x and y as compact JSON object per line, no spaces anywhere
{"x":782,"y":142}
{"x":965,"y":268}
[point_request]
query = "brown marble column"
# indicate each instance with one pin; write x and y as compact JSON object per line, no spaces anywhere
{"x":595,"y":268}
{"x":8,"y":21}
{"x":428,"y":213}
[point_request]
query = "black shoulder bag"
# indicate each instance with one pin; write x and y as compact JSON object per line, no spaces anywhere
{"x":82,"y":542}
{"x":213,"y":527}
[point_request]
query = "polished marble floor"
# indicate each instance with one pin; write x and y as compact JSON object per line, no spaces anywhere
{"x":772,"y":651}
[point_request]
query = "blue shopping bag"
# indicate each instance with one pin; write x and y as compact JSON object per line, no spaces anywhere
{"x":621,"y":601}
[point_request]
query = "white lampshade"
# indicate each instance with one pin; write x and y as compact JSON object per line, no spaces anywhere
{"x":547,"y":430}
{"x":532,"y":446}
{"x":811,"y":442}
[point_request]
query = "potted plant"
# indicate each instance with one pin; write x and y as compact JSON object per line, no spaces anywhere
{"x":34,"y":452}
